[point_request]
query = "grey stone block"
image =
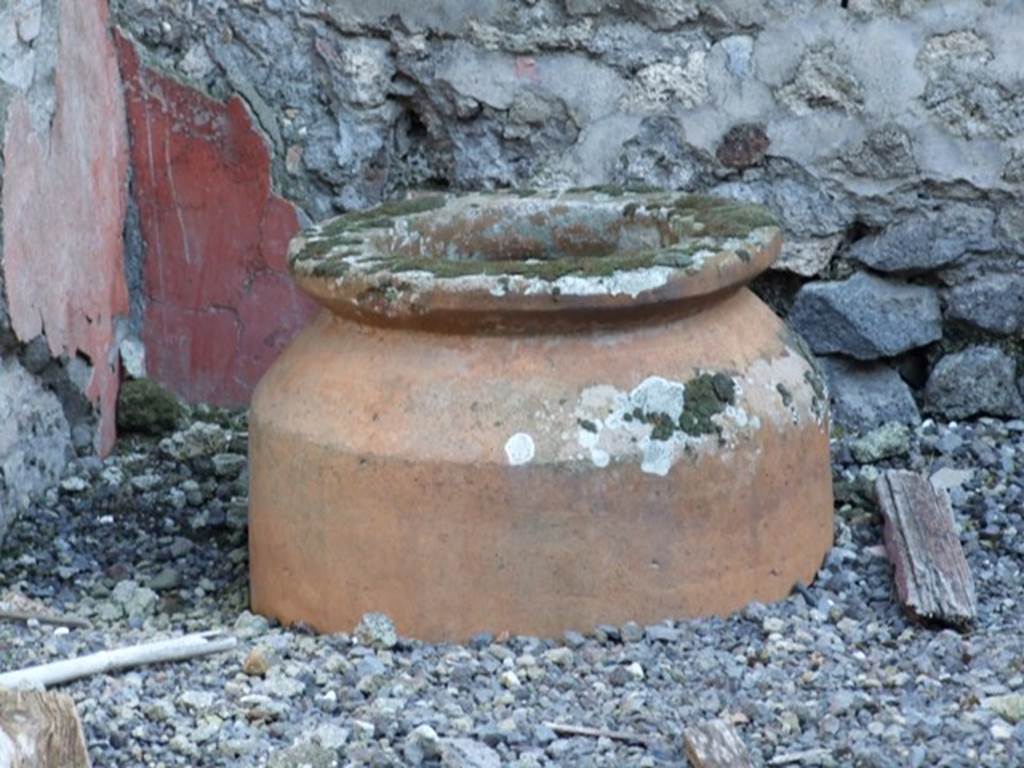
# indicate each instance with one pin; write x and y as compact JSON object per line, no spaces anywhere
{"x":977,"y":381}
{"x":868,"y":395}
{"x":866,"y":317}
{"x":886,"y":153}
{"x":992,"y":303}
{"x":928,"y":241}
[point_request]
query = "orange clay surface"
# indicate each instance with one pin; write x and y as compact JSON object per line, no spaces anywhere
{"x":577,"y":470}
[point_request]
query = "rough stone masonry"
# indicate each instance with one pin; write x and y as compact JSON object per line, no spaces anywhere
{"x":888,"y":136}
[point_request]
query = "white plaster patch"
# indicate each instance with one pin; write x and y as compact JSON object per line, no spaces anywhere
{"x":519,"y":449}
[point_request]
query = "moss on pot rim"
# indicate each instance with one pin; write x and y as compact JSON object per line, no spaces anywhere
{"x":536,"y":242}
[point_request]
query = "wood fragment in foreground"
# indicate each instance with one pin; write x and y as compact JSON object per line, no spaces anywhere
{"x":39,"y":728}
{"x":715,"y":744}
{"x":175,"y":649}
{"x":933,"y":580}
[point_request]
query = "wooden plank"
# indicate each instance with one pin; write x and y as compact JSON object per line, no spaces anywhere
{"x":38,"y":728}
{"x":715,"y":744}
{"x":933,"y":580}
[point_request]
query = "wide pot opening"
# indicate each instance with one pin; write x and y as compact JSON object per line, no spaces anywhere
{"x":514,"y":260}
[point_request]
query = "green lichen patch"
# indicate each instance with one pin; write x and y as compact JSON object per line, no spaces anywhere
{"x":614,"y":190}
{"x":706,"y":395}
{"x":813,"y":376}
{"x":380,"y":216}
{"x":785,"y":394}
{"x":325,"y":258}
{"x":705,"y":216}
{"x":815,"y":379}
{"x":815,"y":382}
{"x":663,"y":426}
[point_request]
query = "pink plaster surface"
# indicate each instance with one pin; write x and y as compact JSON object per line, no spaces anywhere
{"x":64,"y":204}
{"x":219,"y":303}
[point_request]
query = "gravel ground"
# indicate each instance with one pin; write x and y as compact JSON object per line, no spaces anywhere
{"x":151,"y":542}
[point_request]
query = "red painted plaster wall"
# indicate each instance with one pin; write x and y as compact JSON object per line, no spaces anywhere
{"x":64,"y":203}
{"x":219,"y":303}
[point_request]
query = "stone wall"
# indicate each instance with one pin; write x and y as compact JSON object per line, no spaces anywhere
{"x":888,"y":135}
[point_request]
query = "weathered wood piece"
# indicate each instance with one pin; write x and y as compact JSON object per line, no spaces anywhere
{"x":715,"y":744}
{"x":175,"y":649}
{"x":38,"y":728}
{"x":933,"y":579}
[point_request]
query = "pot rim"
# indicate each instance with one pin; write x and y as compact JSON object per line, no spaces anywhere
{"x":509,"y":258}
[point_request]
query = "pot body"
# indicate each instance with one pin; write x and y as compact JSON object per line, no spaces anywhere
{"x":534,"y":483}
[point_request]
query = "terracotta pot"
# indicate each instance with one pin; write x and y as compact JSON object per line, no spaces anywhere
{"x":536,"y":412}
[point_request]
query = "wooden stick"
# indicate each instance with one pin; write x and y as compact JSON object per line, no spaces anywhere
{"x":715,"y":744}
{"x":175,"y":649}
{"x":563,"y":729}
{"x":46,"y":618}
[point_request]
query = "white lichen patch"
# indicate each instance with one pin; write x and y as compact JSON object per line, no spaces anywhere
{"x":787,"y":390}
{"x":599,"y":458}
{"x":657,"y":395}
{"x":630,"y":282}
{"x":519,"y":449}
{"x":642,"y":425}
{"x":659,"y":456}
{"x":655,"y":424}
{"x":661,"y":421}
